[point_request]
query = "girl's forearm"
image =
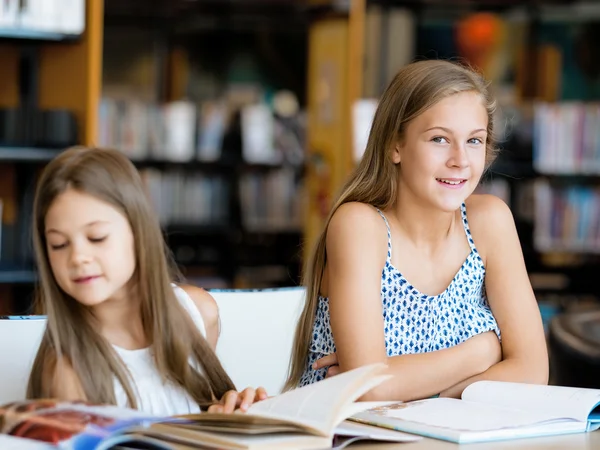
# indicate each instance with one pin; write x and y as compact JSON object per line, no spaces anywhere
{"x":423,"y":375}
{"x":511,"y":369}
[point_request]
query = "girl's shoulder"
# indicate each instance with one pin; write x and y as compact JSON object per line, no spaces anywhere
{"x":208,"y":309}
{"x":357,"y":233}
{"x":356,"y":213}
{"x":483,"y":207}
{"x":356,"y":221}
{"x":490,"y":219}
{"x":205,"y":302}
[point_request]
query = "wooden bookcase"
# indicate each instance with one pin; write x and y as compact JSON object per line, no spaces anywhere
{"x":68,"y":75}
{"x":61,"y":72}
{"x":334,"y":84}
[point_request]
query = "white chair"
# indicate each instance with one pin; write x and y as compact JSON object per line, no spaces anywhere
{"x":20,"y":338}
{"x":257,"y":332}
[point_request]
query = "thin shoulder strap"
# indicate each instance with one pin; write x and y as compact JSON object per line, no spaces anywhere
{"x":463,"y":212}
{"x":389,"y":234}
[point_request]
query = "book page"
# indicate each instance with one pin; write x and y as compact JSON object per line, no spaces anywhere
{"x":468,"y":432}
{"x":458,"y":415}
{"x":555,"y":401}
{"x":319,"y":405}
{"x":370,"y":432}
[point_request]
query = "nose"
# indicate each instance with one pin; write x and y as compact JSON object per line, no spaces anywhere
{"x":458,"y":156}
{"x":80,"y":253}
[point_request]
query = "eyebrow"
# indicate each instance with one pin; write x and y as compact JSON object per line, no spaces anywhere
{"x":95,"y":222}
{"x":447,"y":130}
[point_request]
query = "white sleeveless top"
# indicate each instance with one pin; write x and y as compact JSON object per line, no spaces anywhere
{"x":153,"y":396}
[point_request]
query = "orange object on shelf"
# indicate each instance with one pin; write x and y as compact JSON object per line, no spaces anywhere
{"x":478,"y":37}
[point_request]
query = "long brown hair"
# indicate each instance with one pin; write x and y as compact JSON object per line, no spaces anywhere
{"x":71,"y":332}
{"x":416,"y":88}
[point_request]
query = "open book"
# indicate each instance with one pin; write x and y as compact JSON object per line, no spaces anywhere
{"x":494,"y":410}
{"x":304,"y":418}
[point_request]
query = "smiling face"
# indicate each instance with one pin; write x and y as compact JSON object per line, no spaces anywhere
{"x":90,"y":248}
{"x":442,"y":155}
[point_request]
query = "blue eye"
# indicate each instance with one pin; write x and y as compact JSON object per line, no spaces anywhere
{"x":477,"y":141}
{"x":438,"y":139}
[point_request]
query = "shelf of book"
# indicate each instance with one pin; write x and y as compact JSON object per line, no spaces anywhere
{"x":565,"y":139}
{"x":37,"y":35}
{"x":41,"y":154}
{"x":17,"y":276}
{"x":57,"y":74}
{"x":27,"y":154}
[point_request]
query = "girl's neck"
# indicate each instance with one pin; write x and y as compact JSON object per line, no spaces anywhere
{"x":423,"y":225}
{"x":120,"y":322}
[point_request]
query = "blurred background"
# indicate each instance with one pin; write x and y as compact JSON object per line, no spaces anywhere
{"x":245,"y":116}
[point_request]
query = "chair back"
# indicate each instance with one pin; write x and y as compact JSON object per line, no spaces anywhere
{"x":255,"y":344}
{"x":20,"y":338}
{"x":257,"y":333}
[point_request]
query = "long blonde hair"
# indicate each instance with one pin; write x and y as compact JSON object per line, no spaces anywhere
{"x":416,"y":88}
{"x":71,"y":331}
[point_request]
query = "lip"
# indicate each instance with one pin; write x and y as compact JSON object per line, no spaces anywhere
{"x":457,"y":183}
{"x":86,"y":279}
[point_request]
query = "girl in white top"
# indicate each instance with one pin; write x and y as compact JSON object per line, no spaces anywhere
{"x":119,"y":331}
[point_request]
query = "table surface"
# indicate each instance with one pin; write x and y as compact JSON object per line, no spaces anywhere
{"x":579,"y":441}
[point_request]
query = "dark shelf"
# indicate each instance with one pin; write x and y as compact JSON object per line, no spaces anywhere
{"x":212,"y":166}
{"x":520,"y":170}
{"x":498,"y":5}
{"x":512,"y":169}
{"x":40,"y":154}
{"x":184,"y":17}
{"x":37,"y":35}
{"x":244,"y":166}
{"x":198,"y":229}
{"x":217,"y":166}
{"x":17,"y":276}
{"x":27,"y":154}
{"x":253,"y":234}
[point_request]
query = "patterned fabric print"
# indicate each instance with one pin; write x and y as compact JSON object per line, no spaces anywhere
{"x":415,"y":322}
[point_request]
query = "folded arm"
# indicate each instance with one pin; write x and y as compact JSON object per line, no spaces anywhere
{"x":511,"y":298}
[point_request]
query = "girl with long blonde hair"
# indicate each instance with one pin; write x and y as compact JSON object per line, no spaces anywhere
{"x":119,"y":330}
{"x":401,"y":274}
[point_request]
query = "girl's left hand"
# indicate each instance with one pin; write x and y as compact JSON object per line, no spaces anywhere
{"x":238,"y":401}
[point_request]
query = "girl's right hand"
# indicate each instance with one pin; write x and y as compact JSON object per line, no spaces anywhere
{"x":233,"y":401}
{"x":331,"y":362}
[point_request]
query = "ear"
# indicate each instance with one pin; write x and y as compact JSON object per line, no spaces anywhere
{"x":397,"y":152}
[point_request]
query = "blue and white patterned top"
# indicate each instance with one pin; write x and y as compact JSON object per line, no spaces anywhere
{"x":415,"y":322}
